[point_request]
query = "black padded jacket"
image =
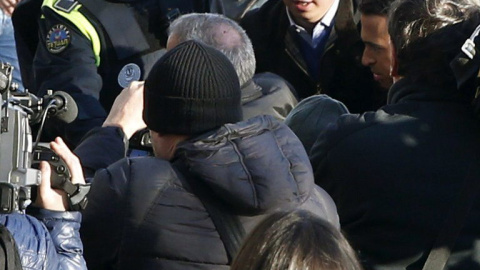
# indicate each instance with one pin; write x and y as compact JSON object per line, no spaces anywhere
{"x":142,"y":213}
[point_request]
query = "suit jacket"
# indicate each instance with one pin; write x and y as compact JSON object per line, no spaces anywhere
{"x":341,"y":74}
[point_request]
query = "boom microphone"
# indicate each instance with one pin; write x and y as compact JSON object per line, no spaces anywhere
{"x":62,"y":106}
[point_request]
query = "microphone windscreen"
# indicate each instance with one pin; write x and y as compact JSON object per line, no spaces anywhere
{"x":68,"y":111}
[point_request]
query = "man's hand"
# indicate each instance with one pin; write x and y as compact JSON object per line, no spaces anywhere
{"x":8,"y":6}
{"x":54,"y":199}
{"x":127,"y":110}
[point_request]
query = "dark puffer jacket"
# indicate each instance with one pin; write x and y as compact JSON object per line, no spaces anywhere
{"x":396,"y":173}
{"x":48,"y":241}
{"x":143,"y":215}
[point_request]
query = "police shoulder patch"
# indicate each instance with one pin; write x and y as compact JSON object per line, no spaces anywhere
{"x":58,"y":38}
{"x":65,"y":5}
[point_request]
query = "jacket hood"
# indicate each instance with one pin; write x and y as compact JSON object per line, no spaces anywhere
{"x":254,"y":165}
{"x":313,"y":115}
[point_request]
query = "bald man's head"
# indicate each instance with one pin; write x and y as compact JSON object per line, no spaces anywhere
{"x":219,"y":32}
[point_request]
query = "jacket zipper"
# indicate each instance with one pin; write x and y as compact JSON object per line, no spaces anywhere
{"x":318,"y":89}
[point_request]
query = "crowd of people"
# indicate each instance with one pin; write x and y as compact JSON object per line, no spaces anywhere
{"x":284,"y":134}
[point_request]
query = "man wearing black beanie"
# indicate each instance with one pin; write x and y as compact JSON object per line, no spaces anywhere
{"x":212,"y":177}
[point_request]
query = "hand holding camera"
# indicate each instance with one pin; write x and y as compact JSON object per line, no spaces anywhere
{"x":63,"y":186}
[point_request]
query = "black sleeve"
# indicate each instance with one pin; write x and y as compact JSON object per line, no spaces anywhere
{"x":72,"y":69}
{"x":330,"y":137}
{"x":104,"y":217}
{"x":100,"y":148}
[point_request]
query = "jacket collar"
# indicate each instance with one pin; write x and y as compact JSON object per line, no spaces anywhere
{"x":322,"y":25}
{"x":345,"y":25}
{"x":406,"y":90}
{"x":250,"y":92}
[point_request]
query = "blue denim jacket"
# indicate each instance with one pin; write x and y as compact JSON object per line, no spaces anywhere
{"x":8,"y":51}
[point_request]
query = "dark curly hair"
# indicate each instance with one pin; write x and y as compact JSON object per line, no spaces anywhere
{"x":428,"y":34}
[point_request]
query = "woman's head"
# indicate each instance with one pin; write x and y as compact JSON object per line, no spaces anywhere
{"x":295,"y":240}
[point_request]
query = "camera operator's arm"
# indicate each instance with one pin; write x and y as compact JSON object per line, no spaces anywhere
{"x":103,"y":146}
{"x":51,"y":207}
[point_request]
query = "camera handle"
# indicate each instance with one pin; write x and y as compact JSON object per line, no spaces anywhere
{"x":77,"y":193}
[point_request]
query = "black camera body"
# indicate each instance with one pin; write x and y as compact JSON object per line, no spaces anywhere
{"x":60,"y":172}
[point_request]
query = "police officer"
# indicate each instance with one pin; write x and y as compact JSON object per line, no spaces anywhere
{"x":92,"y":49}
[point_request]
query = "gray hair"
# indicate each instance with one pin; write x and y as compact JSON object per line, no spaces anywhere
{"x":221,"y":33}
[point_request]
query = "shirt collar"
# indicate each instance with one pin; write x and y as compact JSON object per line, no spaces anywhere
{"x":315,"y":39}
{"x":327,"y":19}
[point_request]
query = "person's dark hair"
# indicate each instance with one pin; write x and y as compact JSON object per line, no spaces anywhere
{"x":375,"y":7}
{"x":210,"y":29}
{"x":428,"y":34}
{"x":295,"y":240}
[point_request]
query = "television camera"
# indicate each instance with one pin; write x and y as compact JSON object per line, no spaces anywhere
{"x":19,"y":155}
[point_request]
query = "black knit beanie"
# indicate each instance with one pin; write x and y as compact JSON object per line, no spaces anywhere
{"x":193,"y":88}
